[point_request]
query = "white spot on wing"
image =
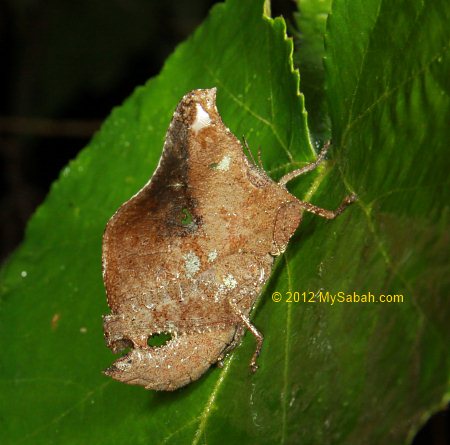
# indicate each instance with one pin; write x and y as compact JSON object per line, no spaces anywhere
{"x":224,"y":164}
{"x":212,"y":255}
{"x":191,"y":264}
{"x":229,"y":281}
{"x":202,"y":119}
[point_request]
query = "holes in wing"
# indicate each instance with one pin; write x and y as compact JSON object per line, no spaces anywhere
{"x":158,"y":340}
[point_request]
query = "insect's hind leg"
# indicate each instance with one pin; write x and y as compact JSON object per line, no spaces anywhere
{"x":324,"y":213}
{"x":244,"y":320}
{"x":328,"y":214}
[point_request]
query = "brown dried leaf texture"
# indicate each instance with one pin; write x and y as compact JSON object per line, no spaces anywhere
{"x":189,"y":253}
{"x":200,"y":234}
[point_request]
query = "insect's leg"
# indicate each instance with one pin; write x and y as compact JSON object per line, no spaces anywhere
{"x":235,"y":342}
{"x":258,"y":336}
{"x":260,"y":164}
{"x":329,"y":214}
{"x":307,"y":168}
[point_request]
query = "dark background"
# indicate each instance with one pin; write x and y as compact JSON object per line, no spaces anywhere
{"x":65,"y":65}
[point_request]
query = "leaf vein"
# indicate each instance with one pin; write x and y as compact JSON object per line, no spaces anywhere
{"x":209,"y":404}
{"x":388,"y":93}
{"x":66,"y":412}
{"x":245,"y":107}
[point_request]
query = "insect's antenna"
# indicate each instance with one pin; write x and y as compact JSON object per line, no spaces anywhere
{"x":245,"y":143}
{"x":307,"y":168}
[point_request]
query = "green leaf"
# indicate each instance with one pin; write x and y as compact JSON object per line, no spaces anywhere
{"x":388,"y":90}
{"x":52,"y":295}
{"x":342,"y":373}
{"x":311,"y":22}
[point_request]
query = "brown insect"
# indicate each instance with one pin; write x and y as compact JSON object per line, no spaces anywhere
{"x":189,"y":253}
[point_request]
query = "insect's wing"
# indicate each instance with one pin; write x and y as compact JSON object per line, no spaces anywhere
{"x":166,"y":251}
{"x":179,"y":362}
